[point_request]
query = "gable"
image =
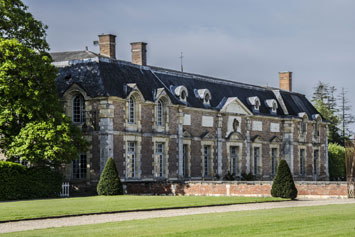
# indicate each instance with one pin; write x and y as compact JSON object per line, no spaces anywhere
{"x":235,"y":106}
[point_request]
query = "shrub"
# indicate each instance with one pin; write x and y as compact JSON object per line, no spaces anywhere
{"x":248,"y":177}
{"x":19,"y":182}
{"x":229,"y":177}
{"x":109,"y":183}
{"x":336,"y":162}
{"x":283,"y":185}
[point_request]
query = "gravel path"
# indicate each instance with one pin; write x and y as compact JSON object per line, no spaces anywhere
{"x":103,"y":218}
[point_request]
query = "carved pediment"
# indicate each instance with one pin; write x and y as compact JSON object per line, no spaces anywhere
{"x":186,"y":134}
{"x":236,"y":136}
{"x":208,"y":135}
{"x":275,"y":139}
{"x":235,"y":106}
{"x":257,"y":138}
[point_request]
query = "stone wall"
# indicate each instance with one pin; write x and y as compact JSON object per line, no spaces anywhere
{"x":235,"y":188}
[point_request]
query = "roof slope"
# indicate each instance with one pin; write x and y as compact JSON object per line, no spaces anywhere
{"x":107,"y":77}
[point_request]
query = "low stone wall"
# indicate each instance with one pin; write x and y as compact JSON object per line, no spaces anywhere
{"x":235,"y":188}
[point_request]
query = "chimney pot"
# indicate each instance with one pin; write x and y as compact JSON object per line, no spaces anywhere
{"x":285,"y":81}
{"x":107,"y":44}
{"x":139,"y":53}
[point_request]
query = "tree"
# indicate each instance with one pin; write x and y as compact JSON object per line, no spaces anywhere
{"x":325,"y":102}
{"x":336,"y":162}
{"x":346,"y":118}
{"x":109,"y":183}
{"x":17,"y":23}
{"x":33,"y":125}
{"x":283,"y":185}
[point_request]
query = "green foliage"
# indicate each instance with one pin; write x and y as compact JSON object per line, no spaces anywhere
{"x":248,"y":177}
{"x":229,"y":177}
{"x":32,"y":122}
{"x":283,"y":185}
{"x":19,"y":182}
{"x":109,"y":183}
{"x":336,"y":155}
{"x":17,"y":23}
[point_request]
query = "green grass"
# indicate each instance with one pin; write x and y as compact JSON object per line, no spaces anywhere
{"x":332,"y":220}
{"x":72,"y":206}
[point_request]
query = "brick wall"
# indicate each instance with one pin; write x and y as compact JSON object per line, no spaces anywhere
{"x":236,"y":188}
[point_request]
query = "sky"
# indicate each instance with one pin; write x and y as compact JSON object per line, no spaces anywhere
{"x":242,"y":40}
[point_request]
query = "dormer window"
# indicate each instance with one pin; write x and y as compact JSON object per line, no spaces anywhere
{"x":131,"y":110}
{"x":257,"y":105}
{"x":181,"y":92}
{"x":272,"y":104}
{"x":255,"y":101}
{"x":78,"y":109}
{"x":204,"y":95}
{"x":303,"y":124}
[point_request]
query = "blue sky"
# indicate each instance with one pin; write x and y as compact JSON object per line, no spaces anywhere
{"x":242,"y":40}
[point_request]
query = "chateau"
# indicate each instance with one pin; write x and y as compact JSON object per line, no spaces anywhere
{"x":160,"y":124}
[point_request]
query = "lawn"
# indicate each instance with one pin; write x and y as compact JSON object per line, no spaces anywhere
{"x":331,"y":220}
{"x":73,"y":206}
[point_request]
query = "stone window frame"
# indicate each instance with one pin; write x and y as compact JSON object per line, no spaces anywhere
{"x":138,"y":142}
{"x":164,"y":127}
{"x":278,"y":158}
{"x":260,"y":160}
{"x":211,"y":168}
{"x":68,"y":97}
{"x":187,"y":142}
{"x":156,"y":162}
{"x":303,"y":123}
{"x":304,"y":173}
{"x":138,"y":101}
{"x":205,"y":95}
{"x":316,"y":170}
{"x":238,"y":144}
{"x":80,"y":107}
{"x":316,"y":127}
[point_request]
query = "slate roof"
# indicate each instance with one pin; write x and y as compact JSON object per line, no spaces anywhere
{"x":100,"y":76}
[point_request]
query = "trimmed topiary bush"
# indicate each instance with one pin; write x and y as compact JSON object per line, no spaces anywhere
{"x":19,"y":182}
{"x":109,"y":183}
{"x":283,"y":185}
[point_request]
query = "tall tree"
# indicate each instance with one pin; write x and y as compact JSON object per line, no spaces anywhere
{"x":346,"y":117}
{"x":32,"y":123}
{"x":324,"y":101}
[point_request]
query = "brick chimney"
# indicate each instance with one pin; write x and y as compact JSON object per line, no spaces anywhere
{"x":107,"y":44}
{"x":139,"y":53}
{"x":285,"y":81}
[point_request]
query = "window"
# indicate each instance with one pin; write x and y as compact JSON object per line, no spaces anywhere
{"x":185,"y":160}
{"x":273,"y":160}
{"x":257,"y":105}
{"x":79,"y":167}
{"x":302,"y":161}
{"x":256,"y":160}
{"x":274,"y":107}
{"x":159,"y":151}
{"x":160,"y":113}
{"x":78,"y":109}
{"x":234,"y":151}
{"x":131,"y":110}
{"x":207,"y":98}
{"x":303,"y":127}
{"x":206,"y":160}
{"x":316,"y":130}
{"x":183,"y":95}
{"x":131,"y":160}
{"x":315,"y":162}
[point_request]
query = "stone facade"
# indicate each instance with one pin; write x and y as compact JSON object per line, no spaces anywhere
{"x":163,"y":125}
{"x":113,"y":132}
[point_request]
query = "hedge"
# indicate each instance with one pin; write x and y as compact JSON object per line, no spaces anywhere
{"x":19,"y":182}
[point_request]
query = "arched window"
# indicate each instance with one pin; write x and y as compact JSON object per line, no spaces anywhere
{"x":257,"y":105}
{"x":160,"y":113}
{"x":78,"y":109}
{"x":131,"y":110}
